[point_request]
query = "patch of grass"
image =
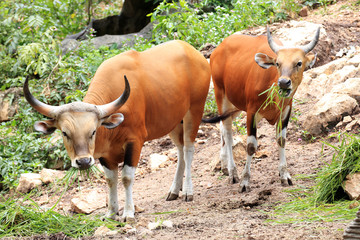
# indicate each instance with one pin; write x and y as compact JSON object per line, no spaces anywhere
{"x":304,"y":210}
{"x":323,"y":202}
{"x":345,"y":161}
{"x":24,"y":217}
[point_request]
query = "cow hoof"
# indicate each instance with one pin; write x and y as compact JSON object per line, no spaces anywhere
{"x":172,"y":196}
{"x":244,"y":188}
{"x":188,"y":198}
{"x":225,"y":171}
{"x":286,"y":182}
{"x":128,"y":220}
{"x":112,"y":216}
{"x":233,"y":177}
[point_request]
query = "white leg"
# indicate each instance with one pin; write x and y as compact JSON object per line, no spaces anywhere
{"x":245,"y":177}
{"x":113,"y":204}
{"x":226,"y":155}
{"x":284,"y":174}
{"x":188,"y":187}
{"x":178,"y":179}
{"x":127,"y":176}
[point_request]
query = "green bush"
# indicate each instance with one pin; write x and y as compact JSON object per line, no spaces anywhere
{"x":179,"y":20}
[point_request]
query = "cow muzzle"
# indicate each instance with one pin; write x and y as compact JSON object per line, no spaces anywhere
{"x":285,"y":87}
{"x":83,"y":163}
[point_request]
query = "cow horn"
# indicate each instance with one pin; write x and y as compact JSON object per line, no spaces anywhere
{"x":107,"y":109}
{"x":44,"y":109}
{"x":310,"y":46}
{"x":271,"y":42}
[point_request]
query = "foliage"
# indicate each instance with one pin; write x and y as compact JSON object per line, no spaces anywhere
{"x":302,"y":208}
{"x":323,"y":201}
{"x":178,"y":20}
{"x":24,"y":217}
{"x":345,"y":161}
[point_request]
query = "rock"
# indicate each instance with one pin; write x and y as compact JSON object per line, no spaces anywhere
{"x":160,"y":224}
{"x":9,"y":103}
{"x":28,"y":181}
{"x":347,"y":119}
{"x":48,"y":175}
{"x":69,"y":45}
{"x":303,"y":12}
{"x":239,"y":148}
{"x":157,"y":161}
{"x":351,"y":125}
{"x":119,"y":40}
{"x":88,"y":201}
{"x":215,"y":164}
{"x":341,"y":75}
{"x":103,"y":231}
{"x":329,"y":110}
{"x":355,"y":60}
{"x":352,"y":186}
{"x":350,"y":87}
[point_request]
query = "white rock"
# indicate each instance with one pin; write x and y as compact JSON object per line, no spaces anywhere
{"x":350,"y":87}
{"x":49,"y":175}
{"x":157,"y":160}
{"x":329,"y":109}
{"x":347,"y":119}
{"x":28,"y":181}
{"x":102,"y":231}
{"x":88,"y":201}
{"x":342,"y":75}
{"x":350,"y":126}
{"x":160,"y":224}
{"x":354,"y":60}
{"x":352,"y":186}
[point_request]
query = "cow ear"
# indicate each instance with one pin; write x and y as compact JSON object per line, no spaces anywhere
{"x":264,"y":60}
{"x":47,"y":126}
{"x":113,"y":120}
{"x":310,"y":59}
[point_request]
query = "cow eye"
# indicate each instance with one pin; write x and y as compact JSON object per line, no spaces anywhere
{"x":93,"y":134}
{"x":299,"y":64}
{"x":65,"y":135}
{"x":277,"y":64}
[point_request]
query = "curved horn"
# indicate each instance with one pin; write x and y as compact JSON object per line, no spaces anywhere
{"x":271,"y":42}
{"x":310,"y":46}
{"x":107,"y":109}
{"x":44,"y":109}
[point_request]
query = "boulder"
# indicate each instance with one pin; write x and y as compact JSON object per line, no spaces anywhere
{"x":48,"y":175}
{"x":89,"y":200}
{"x":9,"y":103}
{"x":28,"y":181}
{"x":350,"y":87}
{"x":352,"y":186}
{"x":329,"y":111}
{"x":103,"y":231}
{"x":157,"y":161}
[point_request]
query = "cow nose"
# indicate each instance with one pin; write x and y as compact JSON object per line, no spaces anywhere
{"x":83,"y":163}
{"x":284,"y":83}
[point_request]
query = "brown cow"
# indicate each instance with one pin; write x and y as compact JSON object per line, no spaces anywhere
{"x":169,"y":84}
{"x":239,"y":84}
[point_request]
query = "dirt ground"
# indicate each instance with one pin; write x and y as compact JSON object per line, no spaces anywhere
{"x":218,"y":210}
